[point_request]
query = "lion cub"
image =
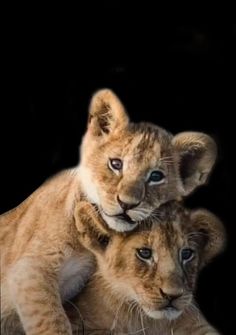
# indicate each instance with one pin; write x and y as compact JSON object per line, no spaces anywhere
{"x":145,"y":280}
{"x":127,"y":170}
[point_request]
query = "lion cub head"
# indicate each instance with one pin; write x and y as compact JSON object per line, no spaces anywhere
{"x":129,"y":169}
{"x":155,"y":266}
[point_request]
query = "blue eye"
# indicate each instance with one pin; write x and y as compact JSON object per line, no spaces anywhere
{"x":156,"y":176}
{"x":144,"y":253}
{"x":115,"y":164}
{"x":186,"y":254}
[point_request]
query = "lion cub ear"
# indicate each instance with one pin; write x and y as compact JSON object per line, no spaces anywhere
{"x":106,"y":113}
{"x":208,"y":233}
{"x":198,"y":154}
{"x":94,"y":235}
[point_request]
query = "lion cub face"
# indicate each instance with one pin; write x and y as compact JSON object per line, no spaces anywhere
{"x":157,"y":265}
{"x":128,"y":170}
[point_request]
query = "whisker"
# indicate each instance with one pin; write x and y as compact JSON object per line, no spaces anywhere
{"x":114,"y":323}
{"x":141,"y":319}
{"x":166,"y":157}
{"x":197,"y":233}
{"x":196,"y":311}
{"x":79,"y":315}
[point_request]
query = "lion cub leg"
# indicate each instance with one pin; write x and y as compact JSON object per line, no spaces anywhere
{"x":34,"y":290}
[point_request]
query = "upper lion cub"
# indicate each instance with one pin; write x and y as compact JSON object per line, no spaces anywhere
{"x":127,"y":170}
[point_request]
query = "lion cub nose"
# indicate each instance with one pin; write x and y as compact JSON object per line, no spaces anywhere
{"x":172,"y":294}
{"x":125,"y":206}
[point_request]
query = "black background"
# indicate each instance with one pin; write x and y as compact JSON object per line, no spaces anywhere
{"x":181,"y":77}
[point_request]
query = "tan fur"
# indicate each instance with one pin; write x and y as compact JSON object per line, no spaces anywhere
{"x":124,"y":296}
{"x":185,"y":159}
{"x":41,"y":259}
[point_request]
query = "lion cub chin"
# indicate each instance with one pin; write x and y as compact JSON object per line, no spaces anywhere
{"x":146,"y":279}
{"x":127,"y":170}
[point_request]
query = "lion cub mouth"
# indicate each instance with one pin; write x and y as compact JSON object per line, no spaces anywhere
{"x":119,"y":222}
{"x":125,"y":217}
{"x":169,"y":313}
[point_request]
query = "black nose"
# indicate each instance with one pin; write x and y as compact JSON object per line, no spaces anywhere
{"x":126,"y":206}
{"x":170,"y":296}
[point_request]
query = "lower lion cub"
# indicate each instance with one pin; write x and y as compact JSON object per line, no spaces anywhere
{"x":145,"y":279}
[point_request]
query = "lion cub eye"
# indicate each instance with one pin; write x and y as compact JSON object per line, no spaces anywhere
{"x":186,"y":254}
{"x":115,"y":164}
{"x":156,"y":177}
{"x":144,"y":253}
